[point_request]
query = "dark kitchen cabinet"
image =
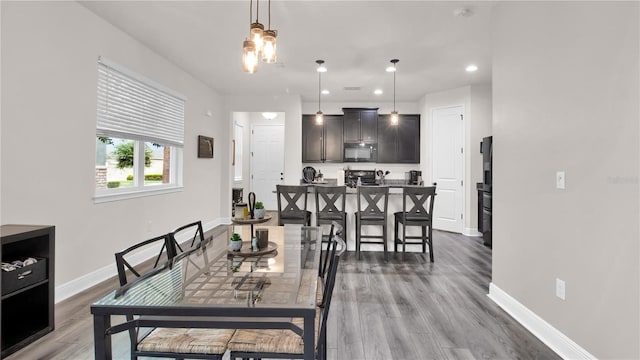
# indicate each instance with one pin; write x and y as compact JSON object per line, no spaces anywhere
{"x":26,"y":308}
{"x":360,"y":125}
{"x":399,"y":143}
{"x":322,"y":143}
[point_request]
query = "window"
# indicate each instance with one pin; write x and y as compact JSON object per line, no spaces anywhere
{"x":237,"y":135}
{"x":139,"y":135}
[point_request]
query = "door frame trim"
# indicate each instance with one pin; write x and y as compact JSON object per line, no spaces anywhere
{"x":464,"y":150}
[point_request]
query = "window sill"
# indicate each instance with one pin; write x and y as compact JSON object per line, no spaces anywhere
{"x":124,"y":195}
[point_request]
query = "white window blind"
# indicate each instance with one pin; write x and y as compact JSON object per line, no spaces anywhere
{"x":132,"y":107}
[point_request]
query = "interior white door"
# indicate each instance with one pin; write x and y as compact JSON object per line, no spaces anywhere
{"x":267,"y":162}
{"x":447,"y":133}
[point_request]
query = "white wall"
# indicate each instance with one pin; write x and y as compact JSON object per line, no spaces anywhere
{"x":565,"y":90}
{"x":49,"y":104}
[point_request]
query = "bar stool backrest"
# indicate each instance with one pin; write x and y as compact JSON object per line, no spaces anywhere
{"x":373,"y":201}
{"x":292,"y":203}
{"x":417,"y":202}
{"x":330,"y":201}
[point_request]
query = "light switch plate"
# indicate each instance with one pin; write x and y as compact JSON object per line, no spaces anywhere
{"x":560,"y":177}
{"x":560,"y":289}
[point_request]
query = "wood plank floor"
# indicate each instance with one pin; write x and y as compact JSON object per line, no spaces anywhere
{"x":407,"y":308}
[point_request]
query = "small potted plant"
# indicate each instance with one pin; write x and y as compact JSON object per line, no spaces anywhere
{"x":258,"y":212}
{"x":236,"y":242}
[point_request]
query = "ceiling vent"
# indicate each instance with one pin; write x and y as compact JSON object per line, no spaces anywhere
{"x":352,"y":88}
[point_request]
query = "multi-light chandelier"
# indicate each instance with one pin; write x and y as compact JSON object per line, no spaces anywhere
{"x":261,"y":43}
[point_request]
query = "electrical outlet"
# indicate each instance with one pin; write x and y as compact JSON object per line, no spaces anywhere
{"x":560,"y":179}
{"x":560,"y":289}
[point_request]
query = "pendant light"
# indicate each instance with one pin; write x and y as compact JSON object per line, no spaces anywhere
{"x":320,"y":70}
{"x":394,"y":113}
{"x":269,"y":42}
{"x":256,"y":30}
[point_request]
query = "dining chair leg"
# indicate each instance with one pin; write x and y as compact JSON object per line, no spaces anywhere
{"x":357,"y":239}
{"x":424,"y":239}
{"x":384,"y":239}
{"x":404,"y":238}
{"x":395,"y":234}
{"x":430,"y":244}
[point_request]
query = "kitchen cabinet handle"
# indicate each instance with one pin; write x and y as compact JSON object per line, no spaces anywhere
{"x":435,"y":184}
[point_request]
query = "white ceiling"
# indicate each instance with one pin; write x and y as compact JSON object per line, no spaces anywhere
{"x":357,"y":39}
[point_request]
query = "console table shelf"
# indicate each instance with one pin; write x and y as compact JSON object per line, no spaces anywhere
{"x":27,"y":301}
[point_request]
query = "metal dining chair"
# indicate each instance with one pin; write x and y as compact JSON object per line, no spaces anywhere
{"x":178,"y":343}
{"x":284,"y":343}
{"x":417,"y":210}
{"x":292,"y":205}
{"x":372,"y":204}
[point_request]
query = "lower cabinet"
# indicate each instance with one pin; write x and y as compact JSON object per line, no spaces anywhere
{"x":399,"y":143}
{"x":27,"y":303}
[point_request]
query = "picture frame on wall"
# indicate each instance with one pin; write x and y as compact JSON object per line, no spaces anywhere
{"x":205,"y":147}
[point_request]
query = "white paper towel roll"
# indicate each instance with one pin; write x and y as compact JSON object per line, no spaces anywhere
{"x":340,"y":177}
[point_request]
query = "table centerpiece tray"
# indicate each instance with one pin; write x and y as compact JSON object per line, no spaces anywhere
{"x":246,"y":250}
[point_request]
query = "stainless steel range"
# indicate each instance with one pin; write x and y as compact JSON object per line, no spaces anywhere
{"x":367,"y":177}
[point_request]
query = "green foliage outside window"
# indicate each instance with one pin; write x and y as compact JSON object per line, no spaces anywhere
{"x":124,"y":155}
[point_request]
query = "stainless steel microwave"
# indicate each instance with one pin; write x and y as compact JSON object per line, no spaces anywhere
{"x":360,"y":152}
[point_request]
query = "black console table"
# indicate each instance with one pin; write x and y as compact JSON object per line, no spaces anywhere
{"x":27,"y":301}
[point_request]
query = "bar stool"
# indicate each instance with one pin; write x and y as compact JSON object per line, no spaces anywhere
{"x":371,"y":213}
{"x":330,"y":205}
{"x":295,"y":211}
{"x":417,"y":210}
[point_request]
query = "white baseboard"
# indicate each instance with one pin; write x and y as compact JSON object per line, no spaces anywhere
{"x":471,"y":232}
{"x":93,"y":278}
{"x":549,"y":335}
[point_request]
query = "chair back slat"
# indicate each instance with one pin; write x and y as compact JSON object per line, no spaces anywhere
{"x":124,"y":266}
{"x":191,"y":234}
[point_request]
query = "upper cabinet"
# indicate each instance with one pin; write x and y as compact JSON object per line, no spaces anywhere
{"x":399,"y":143}
{"x":360,"y":125}
{"x":322,"y":143}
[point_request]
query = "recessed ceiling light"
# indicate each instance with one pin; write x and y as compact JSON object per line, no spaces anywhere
{"x":325,"y":92}
{"x":378,"y":92}
{"x":471,"y":68}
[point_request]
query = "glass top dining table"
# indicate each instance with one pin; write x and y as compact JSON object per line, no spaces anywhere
{"x":210,"y":286}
